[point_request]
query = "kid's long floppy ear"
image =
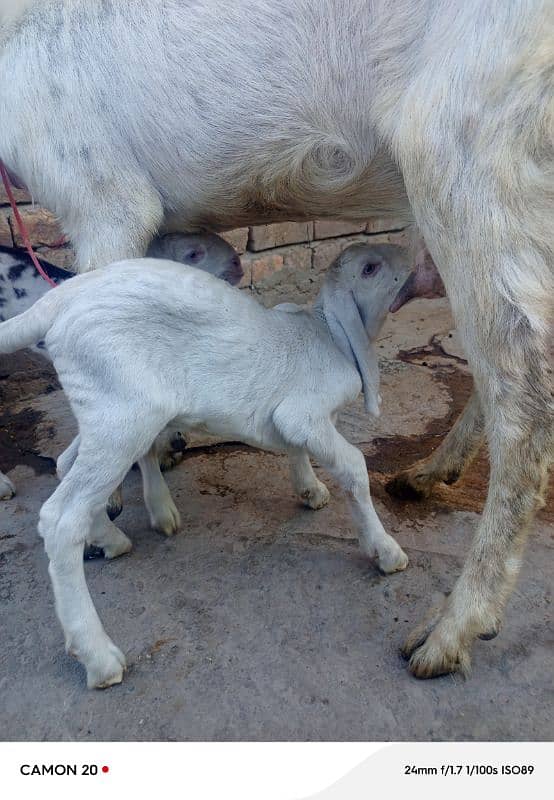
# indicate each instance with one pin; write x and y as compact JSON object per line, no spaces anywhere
{"x":343,"y":316}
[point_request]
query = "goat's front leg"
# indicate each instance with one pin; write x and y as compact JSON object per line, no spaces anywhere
{"x":313,"y":492}
{"x":164,"y":516}
{"x":347,"y":464}
{"x":448,"y":462}
{"x":7,"y":489}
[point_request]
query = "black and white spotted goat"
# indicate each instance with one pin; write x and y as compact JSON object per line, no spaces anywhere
{"x":21,"y":285}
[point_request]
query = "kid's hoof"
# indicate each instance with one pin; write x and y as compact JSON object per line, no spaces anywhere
{"x":93,"y":552}
{"x":114,"y":506}
{"x":395,"y":561}
{"x":7,"y":489}
{"x":107,"y":669}
{"x":316,"y":497}
{"x":166,"y":518}
{"x":173,"y":455}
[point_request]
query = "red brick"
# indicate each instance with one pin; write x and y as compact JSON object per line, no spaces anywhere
{"x":41,"y":225}
{"x":21,"y":195}
{"x":382,"y":224}
{"x":5,"y":231}
{"x":326,"y":251}
{"x":237,"y":238}
{"x":283,"y":275}
{"x":63,"y":257}
{"x":329,"y":228}
{"x":264,"y":237}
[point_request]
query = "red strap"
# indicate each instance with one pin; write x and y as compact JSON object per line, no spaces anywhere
{"x":21,"y":226}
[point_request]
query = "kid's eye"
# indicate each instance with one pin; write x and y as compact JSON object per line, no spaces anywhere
{"x":370,"y":269}
{"x":194,"y":256}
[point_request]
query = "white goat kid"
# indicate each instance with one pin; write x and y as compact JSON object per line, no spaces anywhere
{"x":211,"y":357}
{"x":21,"y":286}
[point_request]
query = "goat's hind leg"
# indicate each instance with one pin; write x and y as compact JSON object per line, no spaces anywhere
{"x":104,"y":537}
{"x":66,"y":521}
{"x":448,"y":462}
{"x":517,"y":400}
{"x":502,"y":301}
{"x":164,"y":516}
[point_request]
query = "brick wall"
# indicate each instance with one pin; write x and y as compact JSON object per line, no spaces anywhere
{"x":282,"y":262}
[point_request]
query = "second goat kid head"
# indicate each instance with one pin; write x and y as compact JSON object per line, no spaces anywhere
{"x":359,"y":287}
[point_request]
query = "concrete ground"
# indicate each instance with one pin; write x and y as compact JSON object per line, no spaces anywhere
{"x":261,"y":620}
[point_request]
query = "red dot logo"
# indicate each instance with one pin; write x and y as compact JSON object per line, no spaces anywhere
{"x":105,"y":769}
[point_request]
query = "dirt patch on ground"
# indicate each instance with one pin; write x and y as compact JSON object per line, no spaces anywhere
{"x":395,"y":453}
{"x":23,"y":376}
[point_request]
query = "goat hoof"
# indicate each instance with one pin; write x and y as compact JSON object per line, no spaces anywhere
{"x":170,"y":460}
{"x":172,"y":455}
{"x":166,"y":518}
{"x":488,"y":635}
{"x":106,"y":669}
{"x":316,"y":497}
{"x":93,"y":552}
{"x":7,"y":489}
{"x":110,"y":542}
{"x":433,"y":650}
{"x":394,"y":561}
{"x":119,"y":545}
{"x":409,"y":485}
{"x":418,"y":636}
{"x":114,"y":505}
{"x":436,"y":657}
{"x":178,"y":443}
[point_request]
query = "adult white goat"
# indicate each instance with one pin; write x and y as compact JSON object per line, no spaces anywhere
{"x":204,"y":359}
{"x":122,"y":116}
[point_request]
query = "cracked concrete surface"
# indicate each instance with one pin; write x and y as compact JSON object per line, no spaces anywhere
{"x":261,"y":620}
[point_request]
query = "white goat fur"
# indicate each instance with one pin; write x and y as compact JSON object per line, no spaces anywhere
{"x":203,"y":362}
{"x":124,"y":116}
{"x":205,"y":251}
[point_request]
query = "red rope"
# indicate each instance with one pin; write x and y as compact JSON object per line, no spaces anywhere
{"x":21,"y":226}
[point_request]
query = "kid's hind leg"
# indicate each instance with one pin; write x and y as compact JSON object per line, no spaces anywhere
{"x":66,"y":521}
{"x":164,"y":516}
{"x":103,"y":535}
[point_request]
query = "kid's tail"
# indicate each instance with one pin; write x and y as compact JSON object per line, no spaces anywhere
{"x":30,"y":327}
